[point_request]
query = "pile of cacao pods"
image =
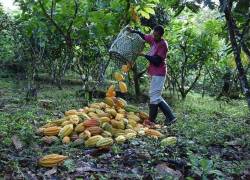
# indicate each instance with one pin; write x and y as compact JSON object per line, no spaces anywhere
{"x":99,"y":124}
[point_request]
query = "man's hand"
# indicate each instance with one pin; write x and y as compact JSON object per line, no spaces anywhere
{"x":129,"y":29}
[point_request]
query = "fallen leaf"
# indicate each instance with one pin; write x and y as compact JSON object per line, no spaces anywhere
{"x":51,"y":171}
{"x":90,"y":169}
{"x":164,"y":170}
{"x":17,"y":143}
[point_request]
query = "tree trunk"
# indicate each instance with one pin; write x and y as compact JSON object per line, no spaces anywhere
{"x":136,"y":80}
{"x":236,"y":51}
{"x":183,"y":94}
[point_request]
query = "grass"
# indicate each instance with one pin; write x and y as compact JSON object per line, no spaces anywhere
{"x":205,"y":129}
{"x":212,"y":122}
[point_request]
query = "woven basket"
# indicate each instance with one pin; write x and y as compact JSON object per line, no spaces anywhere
{"x":126,"y":46}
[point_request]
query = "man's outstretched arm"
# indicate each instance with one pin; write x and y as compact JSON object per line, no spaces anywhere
{"x":139,"y":33}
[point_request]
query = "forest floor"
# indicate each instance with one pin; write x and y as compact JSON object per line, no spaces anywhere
{"x":213,"y":140}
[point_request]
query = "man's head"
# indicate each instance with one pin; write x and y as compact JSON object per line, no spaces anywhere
{"x":158,"y":32}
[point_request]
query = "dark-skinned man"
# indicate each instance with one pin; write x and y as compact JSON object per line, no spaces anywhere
{"x":157,"y":71}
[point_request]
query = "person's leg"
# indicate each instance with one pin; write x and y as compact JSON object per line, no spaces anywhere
{"x":165,"y":108}
{"x":156,"y":85}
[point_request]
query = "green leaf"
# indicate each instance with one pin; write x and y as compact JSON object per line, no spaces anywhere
{"x":145,"y":14}
{"x":151,"y":5}
{"x":206,"y":164}
{"x":149,"y":10}
{"x":217,"y":172}
{"x":155,"y":1}
{"x":115,"y":4}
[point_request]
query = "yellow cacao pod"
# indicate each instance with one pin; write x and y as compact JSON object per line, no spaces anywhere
{"x":111,"y":88}
{"x":153,"y":133}
{"x":109,"y":101}
{"x":130,"y":135}
{"x":120,"y":139}
{"x":121,"y":102}
{"x":86,"y":109}
{"x":85,"y":135}
{"x":111,"y":94}
{"x":66,"y":130}
{"x":112,"y":112}
{"x":74,"y":119}
{"x":107,"y":127}
{"x":91,"y":142}
{"x":102,"y":105}
{"x":50,"y":124}
{"x":49,"y":139}
{"x":58,"y":122}
{"x":52,"y":160}
{"x":129,"y":126}
{"x":134,"y":117}
{"x":99,"y":111}
{"x":121,"y":111}
{"x":90,"y":109}
{"x":123,"y":87}
{"x":169,"y":141}
{"x":51,"y":131}
{"x":83,"y":116}
{"x":132,"y":122}
{"x":104,"y":119}
{"x":118,"y":76}
{"x":106,"y":134}
{"x":104,"y":142}
{"x":116,"y":132}
{"x":93,"y":115}
{"x":66,"y":123}
{"x":66,"y":140}
{"x":143,"y":115}
{"x":111,"y":91}
{"x":95,"y":106}
{"x":141,"y":131}
{"x":130,"y":131}
{"x":80,"y":127}
{"x":103,"y":115}
{"x":39,"y":131}
{"x":119,"y":116}
{"x":94,"y":130}
{"x":125,"y":68}
{"x":71,"y":112}
{"x":118,"y":124}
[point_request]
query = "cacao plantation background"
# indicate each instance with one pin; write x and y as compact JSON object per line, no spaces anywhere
{"x":56,"y":121}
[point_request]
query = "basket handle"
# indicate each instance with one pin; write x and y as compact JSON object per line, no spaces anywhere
{"x":120,"y":35}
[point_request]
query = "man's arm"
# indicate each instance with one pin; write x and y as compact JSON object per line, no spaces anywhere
{"x":155,"y":60}
{"x":139,"y":33}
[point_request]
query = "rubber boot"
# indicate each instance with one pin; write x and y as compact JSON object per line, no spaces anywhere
{"x":165,"y":108}
{"x":153,"y":111}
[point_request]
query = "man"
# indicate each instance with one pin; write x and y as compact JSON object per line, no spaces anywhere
{"x":157,"y":70}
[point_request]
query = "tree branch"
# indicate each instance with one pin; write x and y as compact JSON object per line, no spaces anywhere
{"x":183,"y":47}
{"x":196,"y":78}
{"x":51,"y":20}
{"x":71,"y":23}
